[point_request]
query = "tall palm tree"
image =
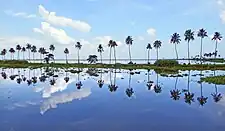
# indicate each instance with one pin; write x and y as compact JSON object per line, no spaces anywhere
{"x":149,"y":47}
{"x":157,"y":44}
{"x":189,"y":35}
{"x":217,"y":37}
{"x":129,"y":42}
{"x":4,"y":52}
{"x":33,"y":50}
{"x":175,"y":39}
{"x":202,"y":34}
{"x":23,"y":50}
{"x":110,"y":50}
{"x":28,"y":47}
{"x":52,"y":49}
{"x":78,"y":46}
{"x":41,"y":52}
{"x":66,"y":52}
{"x":114,"y":44}
{"x":100,"y":50}
{"x":18,"y":48}
{"x":12,"y":51}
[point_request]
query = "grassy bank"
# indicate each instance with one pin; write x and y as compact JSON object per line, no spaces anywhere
{"x":219,"y":80}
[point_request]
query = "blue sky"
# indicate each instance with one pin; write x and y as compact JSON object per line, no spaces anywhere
{"x":94,"y":22}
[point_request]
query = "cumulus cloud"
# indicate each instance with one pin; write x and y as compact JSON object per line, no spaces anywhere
{"x":57,"y":35}
{"x":52,"y":18}
{"x":221,"y":4}
{"x":20,"y":14}
{"x":151,"y":32}
{"x":222,"y":16}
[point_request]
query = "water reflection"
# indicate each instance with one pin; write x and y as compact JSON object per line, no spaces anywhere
{"x":189,"y":97}
{"x":129,"y":90}
{"x":201,"y":99}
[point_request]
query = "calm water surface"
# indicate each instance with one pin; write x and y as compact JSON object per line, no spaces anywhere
{"x":109,"y":100}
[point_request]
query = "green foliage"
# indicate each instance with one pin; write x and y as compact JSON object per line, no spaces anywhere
{"x":219,"y":80}
{"x":164,"y":63}
{"x":13,"y":62}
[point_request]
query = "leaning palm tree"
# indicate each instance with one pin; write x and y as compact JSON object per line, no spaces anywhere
{"x":100,"y":50}
{"x":129,"y":42}
{"x":23,"y":50}
{"x":157,"y":44}
{"x":149,"y":47}
{"x":110,"y":50}
{"x":189,"y":35}
{"x":33,"y":50}
{"x":217,"y":37}
{"x":202,"y":34}
{"x":78,"y":46}
{"x":114,"y":44}
{"x":28,"y":47}
{"x":12,"y":51}
{"x":18,"y":48}
{"x":52,"y":48}
{"x":66,"y":52}
{"x":175,"y":39}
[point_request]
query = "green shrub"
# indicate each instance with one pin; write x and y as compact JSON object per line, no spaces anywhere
{"x":166,"y":63}
{"x":13,"y":62}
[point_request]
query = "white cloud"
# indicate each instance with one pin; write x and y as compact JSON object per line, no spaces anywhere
{"x":57,"y":35}
{"x":151,"y":32}
{"x":51,"y":18}
{"x":20,"y":14}
{"x":222,"y":16}
{"x":104,"y":40}
{"x":140,"y":38}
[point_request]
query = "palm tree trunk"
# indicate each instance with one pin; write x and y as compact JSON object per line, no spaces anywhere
{"x":129,"y":53}
{"x":101,"y":56}
{"x":148,"y":55}
{"x":29,"y":54}
{"x":201,"y":50}
{"x":176,"y":83}
{"x":18,"y":55}
{"x":23,"y":56}
{"x":78,"y":56}
{"x":157,"y":53}
{"x":188,"y":80}
{"x":40,"y":58}
{"x":148,"y":76}
{"x":115,"y":54}
{"x":115,"y":77}
{"x":110,"y":55}
{"x":215,"y":52}
{"x":66,"y":59}
{"x":33,"y":56}
{"x":189,"y":52}
{"x":129,"y":79}
{"x":11,"y":56}
{"x":176,"y":50}
{"x":157,"y":79}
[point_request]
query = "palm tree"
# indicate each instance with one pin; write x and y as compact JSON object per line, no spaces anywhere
{"x":66,"y":51}
{"x":4,"y":52}
{"x":114,"y":44}
{"x":157,"y":87}
{"x":78,"y":46}
{"x":52,"y":48}
{"x":129,"y":42}
{"x":217,"y":37}
{"x":18,"y":48}
{"x":12,"y":51}
{"x":42,"y":51}
{"x":110,"y":50}
{"x":28,"y":47}
{"x":23,"y":50}
{"x":100,"y":50}
{"x":33,"y":50}
{"x":149,"y":47}
{"x":175,"y":39}
{"x":92,"y":59}
{"x":157,"y":44}
{"x":189,"y":35}
{"x":202,"y":34}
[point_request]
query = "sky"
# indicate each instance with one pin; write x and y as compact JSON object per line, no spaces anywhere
{"x":94,"y":22}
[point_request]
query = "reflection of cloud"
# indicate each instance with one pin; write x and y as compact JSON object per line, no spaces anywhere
{"x":21,"y":105}
{"x":53,"y":101}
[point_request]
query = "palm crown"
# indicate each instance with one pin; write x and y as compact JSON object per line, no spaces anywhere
{"x":175,"y":38}
{"x":217,"y":36}
{"x":100,"y":48}
{"x":157,"y":44}
{"x":129,"y":40}
{"x":189,"y":35}
{"x":149,"y":46}
{"x":78,"y":45}
{"x":202,"y":33}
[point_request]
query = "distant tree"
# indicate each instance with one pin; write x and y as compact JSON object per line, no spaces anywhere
{"x":217,"y":37}
{"x":18,"y":48}
{"x":12,"y":51}
{"x":28,"y":47}
{"x":175,"y":39}
{"x":189,"y":35}
{"x":129,"y":42}
{"x":100,"y":50}
{"x":33,"y":50}
{"x":149,"y":47}
{"x":92,"y":59}
{"x":157,"y":44}
{"x":23,"y":50}
{"x":114,"y":45}
{"x":52,"y":49}
{"x":66,"y":52}
{"x":202,"y":34}
{"x":78,"y":46}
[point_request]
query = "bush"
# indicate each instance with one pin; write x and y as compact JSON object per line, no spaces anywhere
{"x":166,"y":63}
{"x":13,"y":62}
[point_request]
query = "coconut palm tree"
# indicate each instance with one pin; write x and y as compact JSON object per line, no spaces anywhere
{"x":78,"y":46}
{"x":40,"y":51}
{"x":217,"y":37}
{"x":18,"y":48}
{"x":12,"y":51}
{"x":66,"y":52}
{"x":188,"y":36}
{"x":114,"y":44}
{"x":110,"y":50}
{"x":129,"y":42}
{"x":23,"y":50}
{"x":175,"y":39}
{"x":157,"y":44}
{"x":202,"y":34}
{"x":33,"y":50}
{"x":4,"y":52}
{"x":52,"y":48}
{"x":28,"y":47}
{"x":100,"y":50}
{"x":149,"y":47}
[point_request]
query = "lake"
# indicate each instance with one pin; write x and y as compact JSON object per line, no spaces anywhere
{"x":49,"y":99}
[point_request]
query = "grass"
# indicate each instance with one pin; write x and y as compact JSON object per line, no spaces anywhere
{"x":219,"y":80}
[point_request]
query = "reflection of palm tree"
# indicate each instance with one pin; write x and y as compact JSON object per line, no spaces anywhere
{"x":4,"y":75}
{"x":149,"y":84}
{"x":202,"y":100}
{"x":79,"y":83}
{"x":216,"y":96}
{"x":112,"y":86}
{"x":66,"y":79}
{"x":189,"y":97}
{"x":100,"y":82}
{"x":175,"y":94}
{"x":129,"y":90}
{"x":19,"y":80}
{"x":52,"y":81}
{"x":157,"y":87}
